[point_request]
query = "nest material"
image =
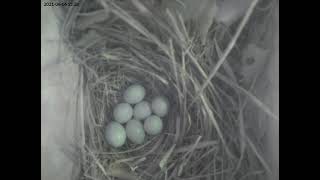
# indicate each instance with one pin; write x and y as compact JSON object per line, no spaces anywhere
{"x":205,"y":135}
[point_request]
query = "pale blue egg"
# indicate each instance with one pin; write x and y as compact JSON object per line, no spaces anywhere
{"x":135,"y":131}
{"x":153,"y":125}
{"x":115,"y":134}
{"x":160,"y":106}
{"x":122,"y":113}
{"x":142,"y":110}
{"x":134,"y":94}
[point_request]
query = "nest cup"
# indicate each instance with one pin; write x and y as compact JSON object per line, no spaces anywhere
{"x":182,"y":126}
{"x":108,"y":92}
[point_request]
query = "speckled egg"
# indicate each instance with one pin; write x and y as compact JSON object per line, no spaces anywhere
{"x":153,"y":125}
{"x":115,"y":134}
{"x":134,"y":94}
{"x":160,"y":106}
{"x":135,"y":131}
{"x":142,"y":110}
{"x":122,"y":113}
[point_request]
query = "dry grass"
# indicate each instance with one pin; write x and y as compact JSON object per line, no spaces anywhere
{"x":205,"y":132}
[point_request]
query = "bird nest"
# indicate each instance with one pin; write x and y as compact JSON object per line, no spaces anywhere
{"x":117,"y":43}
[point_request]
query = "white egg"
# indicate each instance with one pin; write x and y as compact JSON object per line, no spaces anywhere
{"x":153,"y":125}
{"x":160,"y":106}
{"x":142,"y":110}
{"x":134,"y":94}
{"x":135,"y":131}
{"x":122,"y":113}
{"x":115,"y":134}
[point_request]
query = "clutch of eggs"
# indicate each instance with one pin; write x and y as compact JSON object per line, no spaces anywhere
{"x":139,"y":116}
